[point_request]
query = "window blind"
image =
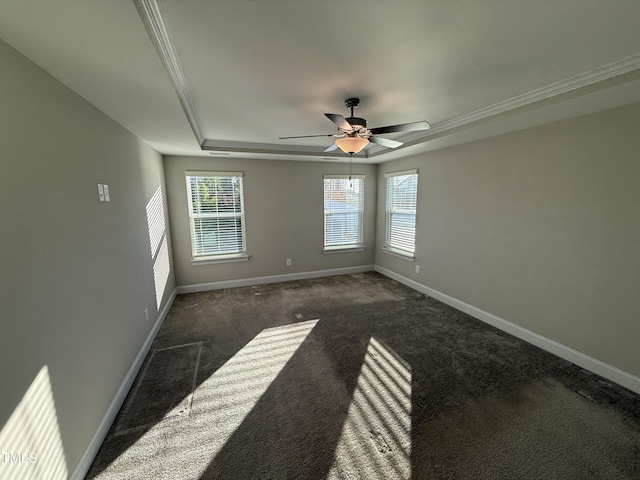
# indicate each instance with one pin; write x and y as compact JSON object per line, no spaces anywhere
{"x":402,"y":192}
{"x":343,"y":209}
{"x":216,"y":213}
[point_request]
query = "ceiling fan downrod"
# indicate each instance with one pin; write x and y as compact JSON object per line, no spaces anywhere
{"x":356,"y":122}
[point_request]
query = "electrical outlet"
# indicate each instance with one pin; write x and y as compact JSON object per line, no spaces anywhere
{"x":146,"y":314}
{"x":417,"y":268}
{"x":288,"y":262}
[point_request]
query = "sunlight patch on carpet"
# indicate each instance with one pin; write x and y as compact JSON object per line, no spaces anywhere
{"x":376,"y":438}
{"x":219,"y":406}
{"x":239,"y":383}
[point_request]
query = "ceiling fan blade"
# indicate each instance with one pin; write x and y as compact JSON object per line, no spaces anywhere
{"x":332,"y":148}
{"x":306,"y":136}
{"x":404,"y":127}
{"x":339,"y":120}
{"x":385,"y":142}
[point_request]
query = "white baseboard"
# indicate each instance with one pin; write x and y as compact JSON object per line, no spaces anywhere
{"x":247,"y":282}
{"x":585,"y":361}
{"x":91,"y":451}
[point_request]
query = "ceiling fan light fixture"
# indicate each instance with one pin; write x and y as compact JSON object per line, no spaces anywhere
{"x":352,"y":145}
{"x":353,"y":134}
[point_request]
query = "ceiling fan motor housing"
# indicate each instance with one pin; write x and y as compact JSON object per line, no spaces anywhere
{"x":353,"y":134}
{"x":357,"y":122}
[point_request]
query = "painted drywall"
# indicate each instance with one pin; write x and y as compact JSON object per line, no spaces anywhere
{"x":283,"y":217}
{"x":77,"y":274}
{"x":539,"y":227}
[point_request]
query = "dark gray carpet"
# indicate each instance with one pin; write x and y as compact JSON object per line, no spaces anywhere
{"x":166,"y":384}
{"x":359,"y":377}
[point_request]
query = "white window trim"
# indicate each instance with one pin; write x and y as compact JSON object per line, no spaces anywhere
{"x":402,"y":173}
{"x":399,"y":253}
{"x":347,"y":248}
{"x":342,"y":249}
{"x":229,"y":258}
{"x":225,"y":257}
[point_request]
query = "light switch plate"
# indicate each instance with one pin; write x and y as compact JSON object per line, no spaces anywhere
{"x":100,"y":192}
{"x":106,"y":193}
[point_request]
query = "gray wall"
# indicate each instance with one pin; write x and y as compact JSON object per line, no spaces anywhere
{"x":77,"y":274}
{"x":539,"y":227}
{"x":283,"y":213}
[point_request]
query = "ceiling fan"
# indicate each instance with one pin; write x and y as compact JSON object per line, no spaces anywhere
{"x":353,"y":134}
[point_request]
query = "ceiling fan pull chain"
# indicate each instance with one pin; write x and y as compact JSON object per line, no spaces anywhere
{"x":350,"y":169}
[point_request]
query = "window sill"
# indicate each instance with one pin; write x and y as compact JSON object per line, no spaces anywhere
{"x":399,"y":253}
{"x":343,"y":249}
{"x":235,"y":257}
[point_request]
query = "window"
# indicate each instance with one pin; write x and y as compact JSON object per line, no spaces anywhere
{"x":343,"y":207}
{"x":402,"y":193}
{"x":216,"y":216}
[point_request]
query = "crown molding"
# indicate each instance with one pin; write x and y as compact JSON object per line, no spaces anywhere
{"x":592,"y":78}
{"x":572,"y":84}
{"x":149,"y":11}
{"x":269,"y":148}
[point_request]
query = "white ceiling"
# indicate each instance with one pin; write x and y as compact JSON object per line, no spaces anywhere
{"x":234,"y":75}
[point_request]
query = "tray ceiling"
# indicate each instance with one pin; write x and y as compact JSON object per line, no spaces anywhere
{"x":230,"y":77}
